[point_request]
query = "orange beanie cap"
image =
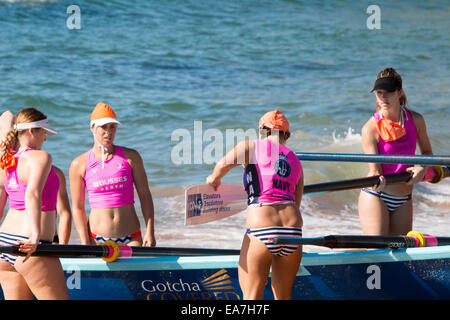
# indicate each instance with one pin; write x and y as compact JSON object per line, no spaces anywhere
{"x":274,"y":120}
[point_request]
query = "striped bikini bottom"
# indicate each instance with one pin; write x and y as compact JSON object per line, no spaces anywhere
{"x":12,"y":240}
{"x":122,"y":240}
{"x":264,"y":234}
{"x":392,"y":202}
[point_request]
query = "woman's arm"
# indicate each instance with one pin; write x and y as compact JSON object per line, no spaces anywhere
{"x":240,"y":155}
{"x":369,"y":141}
{"x":77,"y":189}
{"x":3,"y":195}
{"x":34,"y":170}
{"x":63,"y":209}
{"x":144,"y":194}
{"x":424,"y":145}
{"x":299,"y":189}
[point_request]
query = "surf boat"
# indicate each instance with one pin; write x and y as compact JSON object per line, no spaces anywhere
{"x":397,"y":268}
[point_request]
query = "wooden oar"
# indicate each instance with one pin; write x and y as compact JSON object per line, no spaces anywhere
{"x":355,"y":241}
{"x":203,"y":204}
{"x":110,"y":251}
{"x":376,"y":158}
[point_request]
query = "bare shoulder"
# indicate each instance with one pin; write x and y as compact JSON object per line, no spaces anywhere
{"x":80,"y":159}
{"x":59,"y":172}
{"x":78,"y":164}
{"x":131,"y":154}
{"x":245,"y":145}
{"x":419,"y":120}
{"x":416,"y":116}
{"x":370,"y":126}
{"x":37,"y":156}
{"x":61,"y":176}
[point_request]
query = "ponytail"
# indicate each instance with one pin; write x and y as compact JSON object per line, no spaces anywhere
{"x":8,"y":160}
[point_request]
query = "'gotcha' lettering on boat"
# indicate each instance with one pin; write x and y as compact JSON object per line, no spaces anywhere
{"x":178,"y":286}
{"x":215,"y":287}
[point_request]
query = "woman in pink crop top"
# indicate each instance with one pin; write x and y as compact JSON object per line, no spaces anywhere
{"x":109,"y":174}
{"x":273,"y":180}
{"x":31,"y":185}
{"x":393,"y":129}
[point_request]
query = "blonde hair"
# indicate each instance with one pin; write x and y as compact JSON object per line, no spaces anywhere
{"x":11,"y":140}
{"x":392,"y":73}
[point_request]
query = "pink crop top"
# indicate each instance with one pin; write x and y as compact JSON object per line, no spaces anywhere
{"x":109,"y":186}
{"x":15,"y":188}
{"x":406,"y":145}
{"x":272,"y":175}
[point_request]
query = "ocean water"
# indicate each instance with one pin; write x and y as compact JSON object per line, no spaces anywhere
{"x":165,"y":66}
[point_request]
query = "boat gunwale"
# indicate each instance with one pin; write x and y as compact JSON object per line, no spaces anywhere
{"x":231,"y":261}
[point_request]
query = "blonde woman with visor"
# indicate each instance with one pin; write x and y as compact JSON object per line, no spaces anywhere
{"x":31,"y":185}
{"x":109,"y":173}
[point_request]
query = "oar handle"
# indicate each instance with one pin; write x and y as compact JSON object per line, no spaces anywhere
{"x":63,"y":251}
{"x":435,"y":174}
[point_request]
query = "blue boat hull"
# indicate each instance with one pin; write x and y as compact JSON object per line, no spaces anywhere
{"x":418,"y":273}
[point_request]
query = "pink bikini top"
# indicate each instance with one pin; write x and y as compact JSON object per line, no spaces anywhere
{"x":109,"y":184}
{"x":272,"y":175}
{"x":406,"y":145}
{"x":15,"y":188}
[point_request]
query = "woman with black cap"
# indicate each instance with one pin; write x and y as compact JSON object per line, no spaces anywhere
{"x":393,"y":129}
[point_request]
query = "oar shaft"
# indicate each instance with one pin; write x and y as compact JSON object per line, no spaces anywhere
{"x":363,"y":241}
{"x":432,"y":175}
{"x":375,"y":158}
{"x":168,"y":251}
{"x":355,"y":183}
{"x":335,"y":242}
{"x":102,"y":251}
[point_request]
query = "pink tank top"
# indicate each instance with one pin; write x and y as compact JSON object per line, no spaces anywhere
{"x":406,"y":145}
{"x":15,"y":188}
{"x":109,"y":186}
{"x":272,"y":175}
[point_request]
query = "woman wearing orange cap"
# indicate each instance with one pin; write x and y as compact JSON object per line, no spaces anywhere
{"x":109,"y":173}
{"x":273,"y":179}
{"x":30,"y":183}
{"x":393,"y":129}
